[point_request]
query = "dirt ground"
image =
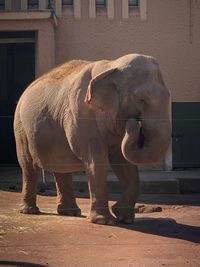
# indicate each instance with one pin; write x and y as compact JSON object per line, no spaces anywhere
{"x":170,"y":237}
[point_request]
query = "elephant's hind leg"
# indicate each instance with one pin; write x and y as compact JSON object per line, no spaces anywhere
{"x":29,"y":190}
{"x":29,"y":172}
{"x":66,"y":199}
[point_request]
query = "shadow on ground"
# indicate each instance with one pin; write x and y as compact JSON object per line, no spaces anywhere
{"x":20,"y":264}
{"x":165,"y":227}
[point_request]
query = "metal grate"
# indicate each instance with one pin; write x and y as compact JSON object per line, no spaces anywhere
{"x":67,"y":2}
{"x":33,"y":4}
{"x":100,"y":2}
{"x":133,"y":2}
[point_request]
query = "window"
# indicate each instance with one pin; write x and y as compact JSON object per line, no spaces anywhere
{"x":33,"y":4}
{"x":100,"y":2}
{"x":2,"y":4}
{"x":67,"y":2}
{"x":133,"y":3}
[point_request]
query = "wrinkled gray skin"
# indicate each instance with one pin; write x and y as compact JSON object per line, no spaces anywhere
{"x":83,"y":116}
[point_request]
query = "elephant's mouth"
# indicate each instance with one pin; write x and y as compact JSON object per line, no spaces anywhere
{"x":141,"y":138}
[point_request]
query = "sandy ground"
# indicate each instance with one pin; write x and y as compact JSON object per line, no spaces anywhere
{"x":170,"y":237}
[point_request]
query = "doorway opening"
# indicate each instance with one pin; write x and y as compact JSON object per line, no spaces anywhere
{"x":186,"y":135}
{"x":17,"y":68}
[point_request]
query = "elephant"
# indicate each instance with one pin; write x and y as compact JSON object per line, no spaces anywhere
{"x":90,"y":116}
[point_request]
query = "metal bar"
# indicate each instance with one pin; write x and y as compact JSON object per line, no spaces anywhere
{"x":110,"y":9}
{"x":8,"y":5}
{"x":42,"y":4}
{"x":24,"y":4}
{"x":92,"y":9}
{"x":190,"y":21}
{"x":125,"y":9}
{"x":77,"y":9}
{"x":58,"y":8}
{"x":143,"y":10}
{"x":16,"y":40}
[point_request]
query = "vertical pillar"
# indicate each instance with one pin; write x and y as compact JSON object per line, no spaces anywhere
{"x":92,"y":9}
{"x":110,"y":9}
{"x":168,"y":159}
{"x":45,"y":54}
{"x":8,"y":4}
{"x":58,"y":8}
{"x":168,"y":156}
{"x":24,"y":4}
{"x":77,"y":9}
{"x":125,"y":9}
{"x":42,"y":4}
{"x":143,"y":10}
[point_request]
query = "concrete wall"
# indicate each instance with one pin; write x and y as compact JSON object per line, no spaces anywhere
{"x":170,"y":33}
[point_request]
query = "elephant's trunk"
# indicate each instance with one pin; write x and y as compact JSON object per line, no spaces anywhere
{"x":145,"y":142}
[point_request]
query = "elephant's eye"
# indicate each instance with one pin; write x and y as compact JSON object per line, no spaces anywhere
{"x":142,"y":101}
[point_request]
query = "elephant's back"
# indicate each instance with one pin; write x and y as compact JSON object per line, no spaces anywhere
{"x":72,"y":67}
{"x":49,"y":90}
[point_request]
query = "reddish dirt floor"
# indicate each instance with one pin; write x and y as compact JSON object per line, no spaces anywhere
{"x":170,"y":237}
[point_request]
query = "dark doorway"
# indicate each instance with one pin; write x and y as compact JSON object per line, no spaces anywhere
{"x":17,"y":70}
{"x":186,"y":135}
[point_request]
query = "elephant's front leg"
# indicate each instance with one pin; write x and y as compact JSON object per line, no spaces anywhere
{"x":129,"y":181}
{"x":65,"y":193}
{"x":96,"y":167}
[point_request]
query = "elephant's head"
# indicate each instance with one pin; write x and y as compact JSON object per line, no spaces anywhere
{"x":132,"y":91}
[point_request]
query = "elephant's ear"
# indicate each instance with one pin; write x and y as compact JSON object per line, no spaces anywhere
{"x":102,"y":93}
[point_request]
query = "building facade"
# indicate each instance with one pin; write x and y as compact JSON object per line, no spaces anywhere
{"x":36,"y":35}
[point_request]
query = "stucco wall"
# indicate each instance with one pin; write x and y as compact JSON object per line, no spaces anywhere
{"x":169,"y":33}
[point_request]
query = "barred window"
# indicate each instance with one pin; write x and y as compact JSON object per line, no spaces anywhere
{"x":133,"y":2}
{"x":67,"y":2}
{"x":100,"y":2}
{"x":33,"y":4}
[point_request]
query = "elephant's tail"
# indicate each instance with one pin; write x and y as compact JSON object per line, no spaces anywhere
{"x":44,"y":177}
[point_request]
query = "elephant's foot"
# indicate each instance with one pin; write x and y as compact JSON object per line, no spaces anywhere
{"x":72,"y":211}
{"x":101,"y":218}
{"x":30,"y":210}
{"x":123,"y":213}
